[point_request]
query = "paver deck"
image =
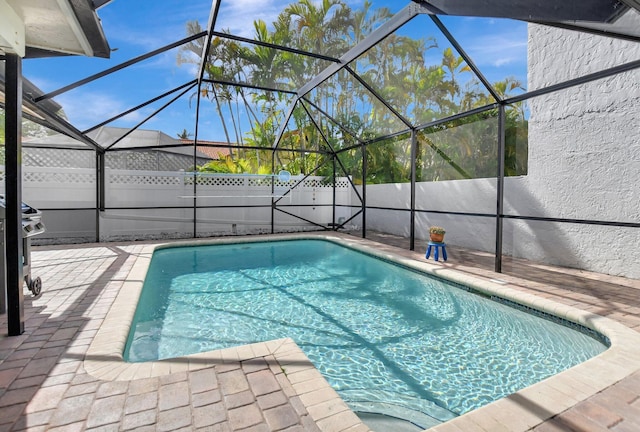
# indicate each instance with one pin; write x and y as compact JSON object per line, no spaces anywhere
{"x":45,"y":385}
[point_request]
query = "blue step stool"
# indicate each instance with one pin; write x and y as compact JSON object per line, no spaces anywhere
{"x":436,"y":253}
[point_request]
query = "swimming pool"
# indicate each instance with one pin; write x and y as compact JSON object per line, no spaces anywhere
{"x":389,"y":339}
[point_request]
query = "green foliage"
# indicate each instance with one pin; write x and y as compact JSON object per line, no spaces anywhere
{"x":437,"y":230}
{"x":184,"y":134}
{"x":229,"y":165}
{"x":341,"y":112}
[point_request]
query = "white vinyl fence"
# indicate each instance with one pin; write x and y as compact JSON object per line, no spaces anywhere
{"x":600,"y":248}
{"x":147,"y":204}
{"x":59,"y":190}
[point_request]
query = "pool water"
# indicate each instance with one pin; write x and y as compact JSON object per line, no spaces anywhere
{"x":390,"y":340}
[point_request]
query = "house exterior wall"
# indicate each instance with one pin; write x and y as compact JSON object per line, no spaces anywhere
{"x":584,"y":156}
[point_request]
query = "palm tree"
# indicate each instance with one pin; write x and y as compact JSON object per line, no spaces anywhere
{"x":395,"y":68}
{"x":215,"y":67}
{"x":184,"y":134}
{"x":320,"y":29}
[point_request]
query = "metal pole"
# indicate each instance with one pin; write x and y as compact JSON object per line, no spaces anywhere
{"x":13,"y":194}
{"x":500,"y":189}
{"x":364,"y":190}
{"x":333,"y":221}
{"x":273,"y":188}
{"x":414,"y":152}
{"x":195,"y":162}
{"x":100,"y":190}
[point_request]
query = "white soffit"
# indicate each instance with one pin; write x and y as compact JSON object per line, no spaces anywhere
{"x":50,"y":25}
{"x":11,"y":30}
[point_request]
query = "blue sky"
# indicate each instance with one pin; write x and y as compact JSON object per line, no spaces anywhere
{"x":134,"y":27}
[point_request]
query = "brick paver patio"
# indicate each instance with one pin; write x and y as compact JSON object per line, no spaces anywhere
{"x":44,"y":384}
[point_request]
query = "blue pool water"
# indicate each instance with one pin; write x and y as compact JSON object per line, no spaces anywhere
{"x":390,"y":340}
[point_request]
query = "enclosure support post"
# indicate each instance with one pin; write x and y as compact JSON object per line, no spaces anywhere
{"x":412,"y":227}
{"x":273,"y":189}
{"x":333,"y":221}
{"x":364,"y":190}
{"x":500,"y":188}
{"x":100,"y":190}
{"x":13,"y":193}
{"x":195,"y":161}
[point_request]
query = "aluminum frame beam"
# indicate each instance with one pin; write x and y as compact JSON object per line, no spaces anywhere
{"x":13,"y":196}
{"x":246,"y":85}
{"x":397,"y":21}
{"x":130,"y":131}
{"x":574,"y":82}
{"x":213,"y":16}
{"x":466,"y":57}
{"x":142,"y":105}
{"x":273,"y":46}
{"x":116,"y":68}
{"x":540,"y":10}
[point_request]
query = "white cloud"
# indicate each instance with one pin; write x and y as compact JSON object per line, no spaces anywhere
{"x":238,"y":16}
{"x":90,"y":108}
{"x":44,"y":83}
{"x":504,"y":61}
{"x":498,"y":50}
{"x":150,"y":25}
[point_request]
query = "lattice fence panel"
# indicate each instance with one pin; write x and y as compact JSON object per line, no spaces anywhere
{"x":174,"y":162}
{"x":316,"y":183}
{"x":44,"y":157}
{"x":137,"y":161}
{"x":58,"y":177}
{"x":133,"y":179}
{"x":260,"y":182}
{"x":150,"y":161}
{"x":220,"y":181}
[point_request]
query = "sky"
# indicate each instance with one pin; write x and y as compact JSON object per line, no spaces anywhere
{"x":135,"y":27}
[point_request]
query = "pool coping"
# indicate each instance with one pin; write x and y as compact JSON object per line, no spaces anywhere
{"x":519,"y":411}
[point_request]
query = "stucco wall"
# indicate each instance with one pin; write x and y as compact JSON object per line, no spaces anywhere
{"x":584,"y":155}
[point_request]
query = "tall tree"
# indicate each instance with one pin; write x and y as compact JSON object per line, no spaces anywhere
{"x":396,"y":68}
